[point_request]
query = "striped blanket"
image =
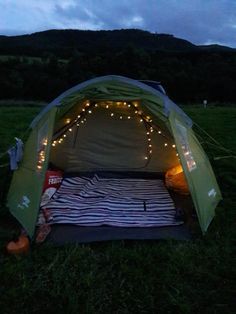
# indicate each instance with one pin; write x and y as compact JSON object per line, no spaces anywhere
{"x":113,"y":202}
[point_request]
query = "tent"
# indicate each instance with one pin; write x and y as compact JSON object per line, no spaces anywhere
{"x":116,"y":125}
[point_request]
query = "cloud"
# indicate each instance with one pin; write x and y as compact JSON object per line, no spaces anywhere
{"x":200,"y":21}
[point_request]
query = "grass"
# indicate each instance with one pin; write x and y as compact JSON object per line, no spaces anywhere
{"x":128,"y":276}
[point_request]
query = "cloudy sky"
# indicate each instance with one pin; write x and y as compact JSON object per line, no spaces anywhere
{"x":199,"y":21}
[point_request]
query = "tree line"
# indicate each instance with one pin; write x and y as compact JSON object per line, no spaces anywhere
{"x":187,"y":76}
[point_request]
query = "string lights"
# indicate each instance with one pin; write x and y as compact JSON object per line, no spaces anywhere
{"x":41,"y":155}
{"x":87,"y":109}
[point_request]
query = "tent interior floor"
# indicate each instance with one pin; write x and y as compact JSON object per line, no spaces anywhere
{"x":62,"y":234}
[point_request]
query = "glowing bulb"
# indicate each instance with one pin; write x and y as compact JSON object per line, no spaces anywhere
{"x":150,"y":145}
{"x":177,"y":155}
{"x":90,"y":111}
{"x":129,"y":105}
{"x":149,"y":140}
{"x":83,"y":110}
{"x":135,"y":105}
{"x":70,"y":130}
{"x":136,"y":111}
{"x":148,"y":133}
{"x":53,"y":144}
{"x":124,"y":103}
{"x":67,"y":120}
{"x":87,"y":104}
{"x":173,"y":145}
{"x":39,"y":167}
{"x":150,"y":151}
{"x":166,"y":144}
{"x":77,"y":124}
{"x":141,"y":120}
{"x":145,"y":157}
{"x":121,"y":117}
{"x":82,"y":121}
{"x":129,"y":117}
{"x":96,"y":105}
{"x":159,"y":132}
{"x":64,"y":135}
{"x":79,"y":116}
{"x":107,"y":106}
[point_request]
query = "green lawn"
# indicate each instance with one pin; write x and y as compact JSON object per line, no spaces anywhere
{"x":128,"y":276}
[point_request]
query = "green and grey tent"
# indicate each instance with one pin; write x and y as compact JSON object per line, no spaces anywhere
{"x":111,"y":124}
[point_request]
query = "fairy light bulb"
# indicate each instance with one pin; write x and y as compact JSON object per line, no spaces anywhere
{"x":150,"y":145}
{"x":90,"y":111}
{"x":136,"y":111}
{"x":141,"y":120}
{"x":146,"y":157}
{"x":78,"y":116}
{"x":64,"y":135}
{"x":173,"y":145}
{"x":87,"y":104}
{"x":129,"y":117}
{"x":70,"y":130}
{"x":129,"y":105}
{"x":77,"y":124}
{"x":125,"y":103}
{"x":177,"y":154}
{"x":112,"y":114}
{"x":68,"y":121}
{"x":165,"y":144}
{"x":107,"y":106}
{"x":159,"y":132}
{"x":148,"y":133}
{"x":83,"y":110}
{"x":150,"y":151}
{"x":121,"y":117}
{"x":149,"y":140}
{"x":96,"y":105}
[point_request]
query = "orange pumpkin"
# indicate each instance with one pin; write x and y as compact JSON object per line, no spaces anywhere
{"x":20,"y":246}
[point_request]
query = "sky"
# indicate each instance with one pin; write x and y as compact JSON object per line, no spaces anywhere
{"x":199,"y":21}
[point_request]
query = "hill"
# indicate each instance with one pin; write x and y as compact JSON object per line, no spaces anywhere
{"x":63,"y":42}
{"x":40,"y":66}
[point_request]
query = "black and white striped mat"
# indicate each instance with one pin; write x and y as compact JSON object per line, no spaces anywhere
{"x":113,"y":202}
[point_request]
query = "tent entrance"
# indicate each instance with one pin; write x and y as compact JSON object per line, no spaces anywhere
{"x":124,"y":154}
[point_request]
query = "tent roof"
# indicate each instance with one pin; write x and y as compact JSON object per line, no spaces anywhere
{"x":167,"y":103}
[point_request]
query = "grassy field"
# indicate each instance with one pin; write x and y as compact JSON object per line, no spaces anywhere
{"x":127,"y":276}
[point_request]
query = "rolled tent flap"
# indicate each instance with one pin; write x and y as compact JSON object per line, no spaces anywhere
{"x":198,"y":171}
{"x":26,"y":187}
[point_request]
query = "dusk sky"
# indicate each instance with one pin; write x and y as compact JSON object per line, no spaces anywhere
{"x":199,"y":21}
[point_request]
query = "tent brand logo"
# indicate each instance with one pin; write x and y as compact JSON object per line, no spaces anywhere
{"x":24,"y":202}
{"x":212,"y":193}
